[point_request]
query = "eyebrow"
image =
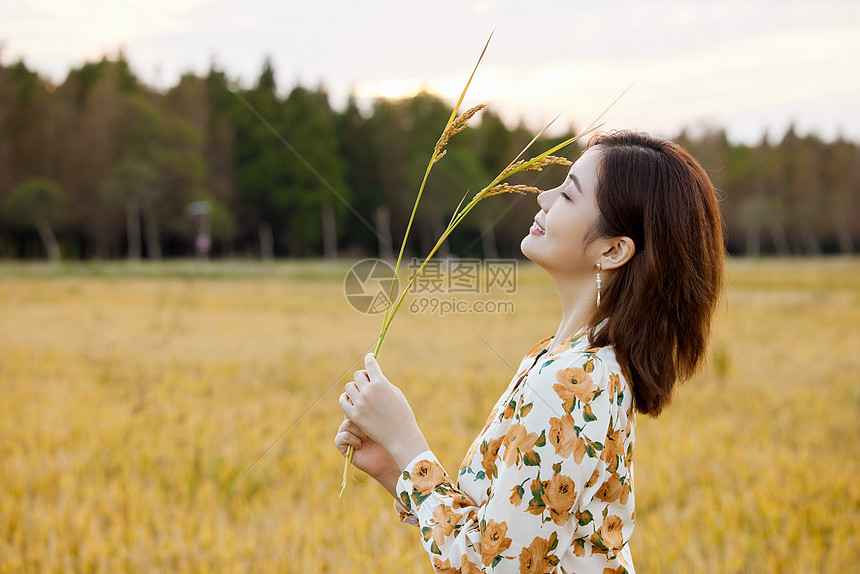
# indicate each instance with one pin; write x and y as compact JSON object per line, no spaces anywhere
{"x":575,"y":182}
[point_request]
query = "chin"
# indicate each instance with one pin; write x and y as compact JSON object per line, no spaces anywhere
{"x":538,"y":256}
{"x":524,"y":246}
{"x":527,"y":250}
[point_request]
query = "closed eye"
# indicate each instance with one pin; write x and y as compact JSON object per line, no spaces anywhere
{"x":575,"y":181}
{"x":564,"y":195}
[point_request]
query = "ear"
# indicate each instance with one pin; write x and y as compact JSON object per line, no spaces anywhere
{"x":618,"y":251}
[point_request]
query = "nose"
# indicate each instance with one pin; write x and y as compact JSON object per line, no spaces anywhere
{"x":546,"y":198}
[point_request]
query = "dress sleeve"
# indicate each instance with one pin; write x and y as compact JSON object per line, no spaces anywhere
{"x":560,"y":447}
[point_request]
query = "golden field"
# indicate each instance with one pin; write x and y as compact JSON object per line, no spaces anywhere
{"x":133,"y":396}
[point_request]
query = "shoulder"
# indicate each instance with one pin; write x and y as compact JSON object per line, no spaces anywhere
{"x":606,"y":362}
{"x":538,"y":347}
{"x":583,"y":372}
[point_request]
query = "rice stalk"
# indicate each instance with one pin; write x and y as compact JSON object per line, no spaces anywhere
{"x":508,"y":188}
{"x":454,"y":126}
{"x":453,"y":123}
{"x":495,"y":187}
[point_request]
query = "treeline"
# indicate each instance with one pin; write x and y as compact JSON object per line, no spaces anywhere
{"x":103,"y":166}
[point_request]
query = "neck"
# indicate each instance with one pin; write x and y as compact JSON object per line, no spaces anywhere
{"x":578,"y":298}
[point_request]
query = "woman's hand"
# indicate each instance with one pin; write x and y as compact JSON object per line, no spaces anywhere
{"x":369,"y":456}
{"x":382,"y":413}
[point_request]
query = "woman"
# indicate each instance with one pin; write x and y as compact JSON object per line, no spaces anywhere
{"x":633,"y":241}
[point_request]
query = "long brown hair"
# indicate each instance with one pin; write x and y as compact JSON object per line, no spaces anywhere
{"x":658,"y":306}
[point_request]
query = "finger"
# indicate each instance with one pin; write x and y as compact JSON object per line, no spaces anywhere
{"x":352,"y":388}
{"x":344,"y":425}
{"x":360,"y":377}
{"x":353,"y":392}
{"x":345,"y":404}
{"x":342,"y":440}
{"x":373,"y":370}
{"x":352,"y":428}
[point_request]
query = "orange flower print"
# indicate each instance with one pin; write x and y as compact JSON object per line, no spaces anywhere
{"x":427,"y":475}
{"x":533,"y":560}
{"x":562,"y":436}
{"x":613,"y":490}
{"x":459,"y":500}
{"x":518,"y":441}
{"x":444,"y":567}
{"x":613,"y":447}
{"x":614,"y":386}
{"x":490,"y":419}
{"x":494,"y":541}
{"x":446,"y":519}
{"x":473,"y":450}
{"x":538,"y":347}
{"x":610,"y":532}
{"x":572,"y":383}
{"x":468,"y":567}
{"x":559,"y":497}
{"x":490,"y":455}
{"x":562,"y":347}
{"x":583,"y":517}
{"x":517,"y":495}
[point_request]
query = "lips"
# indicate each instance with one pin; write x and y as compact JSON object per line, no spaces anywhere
{"x":537,"y":227}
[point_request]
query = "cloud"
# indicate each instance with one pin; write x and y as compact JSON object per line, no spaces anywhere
{"x":51,"y":30}
{"x":692,"y":62}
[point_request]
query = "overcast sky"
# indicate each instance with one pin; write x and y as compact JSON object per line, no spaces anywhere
{"x":752,"y":67}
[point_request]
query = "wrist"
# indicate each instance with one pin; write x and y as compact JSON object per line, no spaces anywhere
{"x":406,"y":450}
{"x":388,"y":480}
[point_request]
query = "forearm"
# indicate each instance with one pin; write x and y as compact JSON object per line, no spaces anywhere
{"x":388,"y":480}
{"x":405,"y":449}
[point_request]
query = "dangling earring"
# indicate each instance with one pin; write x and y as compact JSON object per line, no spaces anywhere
{"x":599,"y":267}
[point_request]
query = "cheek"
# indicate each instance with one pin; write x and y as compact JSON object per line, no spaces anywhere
{"x":563,"y":225}
{"x":569,"y":234}
{"x":554,"y":219}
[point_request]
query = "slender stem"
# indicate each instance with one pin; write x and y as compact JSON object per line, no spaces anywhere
{"x":433,"y":158}
{"x":460,"y":215}
{"x":386,"y":321}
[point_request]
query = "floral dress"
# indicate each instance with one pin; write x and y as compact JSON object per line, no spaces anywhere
{"x":547,"y":486}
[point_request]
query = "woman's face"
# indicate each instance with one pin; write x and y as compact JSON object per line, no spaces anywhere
{"x":557,"y":240}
